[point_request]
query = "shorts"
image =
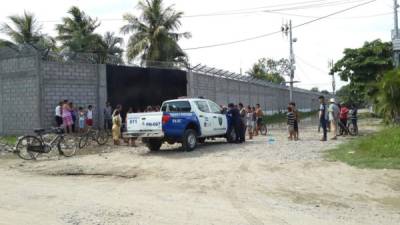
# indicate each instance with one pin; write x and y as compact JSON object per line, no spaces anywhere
{"x":81,"y":124}
{"x":89,"y":122}
{"x":59,"y":121}
{"x":290,"y":128}
{"x":259,"y":122}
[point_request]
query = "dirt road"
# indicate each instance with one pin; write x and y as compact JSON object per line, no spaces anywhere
{"x":276,"y":182}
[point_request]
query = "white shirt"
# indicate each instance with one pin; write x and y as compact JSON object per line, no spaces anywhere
{"x":90,"y":114}
{"x":58,"y":111}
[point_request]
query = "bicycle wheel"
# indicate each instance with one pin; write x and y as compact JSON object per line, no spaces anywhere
{"x":263,"y":130}
{"x":101,"y":137}
{"x":351,"y":130}
{"x":83,"y":141}
{"x":67,"y":146}
{"x":23,"y":145}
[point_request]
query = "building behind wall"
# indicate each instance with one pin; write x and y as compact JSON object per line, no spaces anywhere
{"x":30,"y":89}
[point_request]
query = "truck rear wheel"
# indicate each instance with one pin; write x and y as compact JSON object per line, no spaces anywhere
{"x":153,"y":144}
{"x":189,"y":141}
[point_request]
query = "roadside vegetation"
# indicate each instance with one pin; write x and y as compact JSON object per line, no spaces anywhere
{"x":8,"y":140}
{"x":379,"y":151}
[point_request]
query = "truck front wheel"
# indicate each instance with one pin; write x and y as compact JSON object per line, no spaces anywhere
{"x":189,"y":141}
{"x":153,"y":144}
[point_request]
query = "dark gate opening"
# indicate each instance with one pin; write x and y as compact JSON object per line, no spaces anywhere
{"x":141,"y":87}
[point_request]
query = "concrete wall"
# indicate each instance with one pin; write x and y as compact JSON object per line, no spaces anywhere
{"x":272,"y":98}
{"x":30,"y":89}
{"x":83,"y":84}
{"x":19,"y":95}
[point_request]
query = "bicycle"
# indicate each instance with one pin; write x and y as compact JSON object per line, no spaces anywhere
{"x":348,"y":129}
{"x":99,"y":136}
{"x":29,"y":147}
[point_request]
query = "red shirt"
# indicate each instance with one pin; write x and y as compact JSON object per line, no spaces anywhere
{"x":343,"y":112}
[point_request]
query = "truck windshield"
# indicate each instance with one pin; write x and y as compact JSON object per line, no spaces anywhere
{"x":176,"y":106}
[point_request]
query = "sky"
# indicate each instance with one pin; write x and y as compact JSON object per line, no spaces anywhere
{"x":317,"y":42}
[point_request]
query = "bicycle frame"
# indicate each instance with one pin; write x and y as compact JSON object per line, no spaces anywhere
{"x":52,"y":143}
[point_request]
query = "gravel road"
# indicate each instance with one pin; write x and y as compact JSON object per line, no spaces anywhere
{"x":269,"y":180}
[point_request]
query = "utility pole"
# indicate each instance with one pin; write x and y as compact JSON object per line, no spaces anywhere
{"x":330,"y":65}
{"x":287,"y":30}
{"x":395,"y":36}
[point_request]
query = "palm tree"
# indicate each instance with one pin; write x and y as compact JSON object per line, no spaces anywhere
{"x":111,"y":49}
{"x":76,"y":33}
{"x":154,"y":34}
{"x":25,"y":30}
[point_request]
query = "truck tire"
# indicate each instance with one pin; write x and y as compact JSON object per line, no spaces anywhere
{"x":153,"y":144}
{"x":189,"y":141}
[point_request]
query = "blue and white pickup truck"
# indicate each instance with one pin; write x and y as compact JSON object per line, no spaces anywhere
{"x":188,"y":121}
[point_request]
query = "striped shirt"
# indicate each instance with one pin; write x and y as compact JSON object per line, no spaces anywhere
{"x":290,"y":118}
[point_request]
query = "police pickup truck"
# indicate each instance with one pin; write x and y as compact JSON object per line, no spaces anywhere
{"x":188,"y":121}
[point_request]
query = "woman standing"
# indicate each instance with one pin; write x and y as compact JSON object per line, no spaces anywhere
{"x":67,"y":117}
{"x":73,"y":116}
{"x":250,"y":121}
{"x":116,"y":128}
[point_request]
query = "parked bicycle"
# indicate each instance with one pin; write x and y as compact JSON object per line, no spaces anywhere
{"x":348,"y":129}
{"x":29,"y":147}
{"x":99,"y":136}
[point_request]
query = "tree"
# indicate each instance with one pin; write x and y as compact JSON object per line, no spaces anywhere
{"x":314,"y":89}
{"x":25,"y":30}
{"x":110,"y":50}
{"x":270,"y":70}
{"x":154,"y":33}
{"x":387,"y":99}
{"x":325,"y":92}
{"x":348,"y":96}
{"x":364,"y":66}
{"x":76,"y":33}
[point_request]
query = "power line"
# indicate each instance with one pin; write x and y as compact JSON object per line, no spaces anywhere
{"x":253,"y":10}
{"x":311,"y":65}
{"x":279,"y":31}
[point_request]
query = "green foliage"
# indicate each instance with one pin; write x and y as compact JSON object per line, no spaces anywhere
{"x":348,"y":96}
{"x":154,"y":33}
{"x":25,"y":29}
{"x":364,"y":66}
{"x":76,"y":33}
{"x":270,"y":70}
{"x":282,"y":117}
{"x":380,"y":151}
{"x":387,"y":99}
{"x":325,"y":92}
{"x":314,"y":89}
{"x":8,"y":140}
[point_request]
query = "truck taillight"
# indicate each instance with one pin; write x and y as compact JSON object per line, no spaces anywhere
{"x":165,"y":119}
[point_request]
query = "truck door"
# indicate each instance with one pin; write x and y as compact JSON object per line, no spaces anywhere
{"x":205,"y":118}
{"x":220,"y":124}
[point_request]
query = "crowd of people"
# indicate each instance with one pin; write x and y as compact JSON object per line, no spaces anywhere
{"x":73,"y":119}
{"x":248,"y":120}
{"x":334,"y":117}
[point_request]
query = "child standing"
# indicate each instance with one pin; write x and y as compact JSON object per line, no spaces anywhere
{"x":290,"y":122}
{"x":250,"y":122}
{"x":81,"y":119}
{"x":89,"y":117}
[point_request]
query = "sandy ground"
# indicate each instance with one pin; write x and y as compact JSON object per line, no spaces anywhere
{"x":260,"y":182}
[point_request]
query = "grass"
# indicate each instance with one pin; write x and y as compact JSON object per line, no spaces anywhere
{"x":8,"y":140}
{"x":379,"y":151}
{"x":282,"y":117}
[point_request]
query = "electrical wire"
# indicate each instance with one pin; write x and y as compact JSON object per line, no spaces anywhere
{"x":279,"y":31}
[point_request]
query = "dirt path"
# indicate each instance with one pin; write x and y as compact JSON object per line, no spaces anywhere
{"x":279,"y":182}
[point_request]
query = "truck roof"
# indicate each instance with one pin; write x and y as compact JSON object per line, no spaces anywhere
{"x":185,"y":99}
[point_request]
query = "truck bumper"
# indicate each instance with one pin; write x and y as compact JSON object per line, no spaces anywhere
{"x":143,"y":134}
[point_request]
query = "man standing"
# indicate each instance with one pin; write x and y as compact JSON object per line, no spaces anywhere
{"x":259,"y":118}
{"x":323,"y":116}
{"x":58,"y":114}
{"x":235,"y":121}
{"x":333,"y":117}
{"x":242,"y":127}
{"x":107,"y":116}
{"x":292,"y":105}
